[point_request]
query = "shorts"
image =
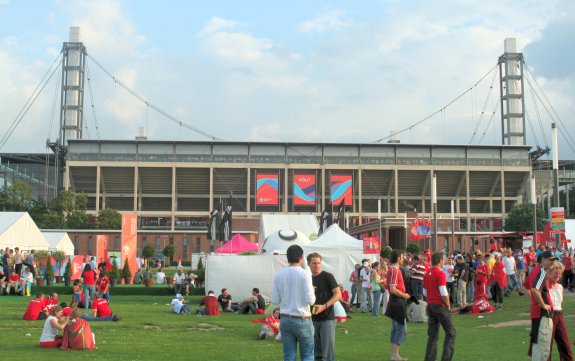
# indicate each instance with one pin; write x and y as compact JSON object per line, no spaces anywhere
{"x":398,"y":332}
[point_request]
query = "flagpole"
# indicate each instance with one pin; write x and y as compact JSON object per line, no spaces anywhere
{"x":434,"y":204}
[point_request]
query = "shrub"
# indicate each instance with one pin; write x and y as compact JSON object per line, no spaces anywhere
{"x":413,"y":248}
{"x":386,"y":252}
{"x":126,"y":273}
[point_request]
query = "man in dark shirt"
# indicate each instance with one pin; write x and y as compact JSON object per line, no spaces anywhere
{"x":461,"y":275}
{"x":327,"y":293}
{"x":251,"y":303}
{"x":225,"y":300}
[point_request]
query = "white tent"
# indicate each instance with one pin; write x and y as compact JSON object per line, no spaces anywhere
{"x":17,"y":229}
{"x":271,"y":223}
{"x":279,"y":241}
{"x":59,"y":241}
{"x":239,"y":274}
{"x":570,"y":231}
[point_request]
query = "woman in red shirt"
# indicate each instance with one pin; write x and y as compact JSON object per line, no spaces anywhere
{"x":88,"y":284}
{"x":481,"y":274}
{"x":568,"y":272}
{"x":498,"y":280}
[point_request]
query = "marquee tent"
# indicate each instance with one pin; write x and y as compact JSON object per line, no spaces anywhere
{"x":59,"y":241}
{"x":17,"y":229}
{"x":280,"y":240}
{"x":237,"y":244}
{"x":271,"y":223}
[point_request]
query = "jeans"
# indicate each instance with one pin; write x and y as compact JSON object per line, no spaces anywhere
{"x":324,"y":340}
{"x":89,"y":291}
{"x":439,"y":315}
{"x":353,"y":294}
{"x":87,"y":317}
{"x":398,"y":332}
{"x":512,"y":283}
{"x":416,"y":288}
{"x":294,"y":331}
{"x":470,"y":291}
{"x":376,"y":303}
{"x":365,"y":299}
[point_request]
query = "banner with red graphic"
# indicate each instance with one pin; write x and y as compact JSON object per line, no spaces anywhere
{"x":267,"y":188}
{"x":101,"y":247}
{"x":77,"y":263}
{"x":130,"y":240}
{"x":304,"y":189}
{"x":340,"y":187}
{"x":371,"y":245}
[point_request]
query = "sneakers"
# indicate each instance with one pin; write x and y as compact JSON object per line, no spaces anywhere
{"x":262,"y":335}
{"x":116,"y":318}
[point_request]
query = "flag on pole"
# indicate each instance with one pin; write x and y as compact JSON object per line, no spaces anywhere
{"x":341,"y":214}
{"x":226,"y":226}
{"x":325,"y":220}
{"x":214,"y":223}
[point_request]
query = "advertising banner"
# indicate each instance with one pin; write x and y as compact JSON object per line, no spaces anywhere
{"x":101,"y":247}
{"x":304,"y":190}
{"x":130,"y":240}
{"x":267,"y":188}
{"x":77,"y":263}
{"x":371,"y":245}
{"x":557,"y":216}
{"x":340,"y":188}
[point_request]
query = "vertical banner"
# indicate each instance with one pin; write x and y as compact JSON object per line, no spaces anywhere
{"x":304,"y":190}
{"x":371,"y":245}
{"x":340,"y":188}
{"x":77,"y":263}
{"x":101,"y":247}
{"x":267,"y":188}
{"x":130,"y":241}
{"x":557,"y":217}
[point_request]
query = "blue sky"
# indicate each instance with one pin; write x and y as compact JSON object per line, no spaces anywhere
{"x":327,"y":71}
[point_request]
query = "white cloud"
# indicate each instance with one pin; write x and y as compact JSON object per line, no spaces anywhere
{"x":216,"y":24}
{"x":331,"y":20}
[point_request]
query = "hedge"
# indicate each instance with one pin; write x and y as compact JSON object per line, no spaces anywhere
{"x":122,"y":290}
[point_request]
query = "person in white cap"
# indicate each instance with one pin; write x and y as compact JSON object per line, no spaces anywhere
{"x":180,"y":306}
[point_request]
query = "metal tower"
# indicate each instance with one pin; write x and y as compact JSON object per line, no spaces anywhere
{"x":512,"y":95}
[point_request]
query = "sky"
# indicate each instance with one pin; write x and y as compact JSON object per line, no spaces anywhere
{"x":290,"y":71}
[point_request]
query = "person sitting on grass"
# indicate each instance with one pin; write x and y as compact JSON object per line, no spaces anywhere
{"x":34,"y":310}
{"x":208,"y":305}
{"x":51,"y":302}
{"x":256,"y":301}
{"x":225,"y":300}
{"x":54,"y":323}
{"x":100,"y":310}
{"x":271,"y":325}
{"x":344,"y":301}
{"x":78,"y":334}
{"x":180,"y":306}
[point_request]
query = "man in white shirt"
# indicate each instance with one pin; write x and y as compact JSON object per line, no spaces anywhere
{"x":179,"y":281}
{"x":364,"y":277}
{"x":292,"y":289}
{"x":511,"y":272}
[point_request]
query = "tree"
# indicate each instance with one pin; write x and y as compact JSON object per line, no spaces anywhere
{"x":148,"y":253}
{"x":413,"y":248}
{"x":520,"y":218}
{"x":126,"y":273}
{"x":51,"y":220}
{"x":169,"y":251}
{"x":200,"y":263}
{"x":16,"y":197}
{"x":77,"y":220}
{"x":109,"y":218}
{"x":386,"y":252}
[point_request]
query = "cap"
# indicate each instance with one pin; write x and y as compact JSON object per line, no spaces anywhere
{"x":179,"y":295}
{"x":67,"y":311}
{"x":365,"y":264}
{"x":548,"y":255}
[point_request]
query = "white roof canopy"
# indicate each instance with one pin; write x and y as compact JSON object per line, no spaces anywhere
{"x":17,"y":229}
{"x":59,"y":241}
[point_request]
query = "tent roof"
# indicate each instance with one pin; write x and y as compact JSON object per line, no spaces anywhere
{"x":17,"y":229}
{"x":271,"y":223}
{"x":280,"y":240}
{"x":59,"y":241}
{"x":237,"y":244}
{"x":334,"y":240}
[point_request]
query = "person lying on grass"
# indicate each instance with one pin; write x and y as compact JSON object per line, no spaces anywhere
{"x":100,"y":310}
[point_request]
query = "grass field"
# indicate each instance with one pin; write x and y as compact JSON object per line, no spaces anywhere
{"x":149,"y":331}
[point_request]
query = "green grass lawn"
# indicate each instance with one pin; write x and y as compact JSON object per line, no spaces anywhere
{"x":149,"y":331}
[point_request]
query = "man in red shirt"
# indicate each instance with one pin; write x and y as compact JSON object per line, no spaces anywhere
{"x":51,"y":302}
{"x":100,"y":310}
{"x":438,"y":310}
{"x":13,"y":281}
{"x":35,"y":307}
{"x":208,"y":305}
{"x":103,"y":285}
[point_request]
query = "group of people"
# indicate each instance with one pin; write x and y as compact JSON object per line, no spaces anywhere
{"x":17,"y":271}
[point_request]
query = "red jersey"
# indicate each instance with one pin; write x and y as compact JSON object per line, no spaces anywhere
{"x":568,"y":261}
{"x":102,"y":284}
{"x":101,"y":307}
{"x":479,"y":273}
{"x":434,"y":278}
{"x":211,"y":304}
{"x":345,"y":296}
{"x":34,"y":308}
{"x":530,"y":258}
{"x":492,"y":246}
{"x":13,"y":277}
{"x":50,"y":303}
{"x":395,"y":278}
{"x":537,"y":280}
{"x":89,"y":278}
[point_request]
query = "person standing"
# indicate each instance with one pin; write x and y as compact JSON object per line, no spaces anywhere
{"x":31,"y":263}
{"x":396,"y":306}
{"x":292,"y":289}
{"x":327,"y":293}
{"x":556,"y":295}
{"x":438,"y":310}
{"x":18,"y":260}
{"x":461,"y":272}
{"x":365,"y":278}
{"x":88,"y":284}
{"x":448,"y":270}
{"x":353,"y":278}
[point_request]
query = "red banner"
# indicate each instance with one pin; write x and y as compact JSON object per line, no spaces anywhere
{"x":304,"y":190}
{"x":77,"y":263}
{"x":101,"y":247}
{"x":267,"y":188}
{"x":371,"y":245}
{"x":340,"y":188}
{"x":130,"y":241}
